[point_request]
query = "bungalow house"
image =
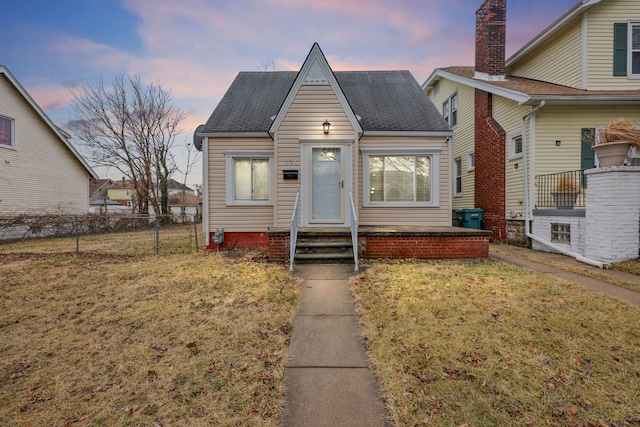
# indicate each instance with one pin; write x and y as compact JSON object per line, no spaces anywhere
{"x":339,"y":153}
{"x":523,"y":124}
{"x":40,"y":170}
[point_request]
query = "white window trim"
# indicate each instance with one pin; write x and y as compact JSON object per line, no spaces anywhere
{"x":434,"y":154}
{"x":630,"y":25}
{"x":447,"y":106}
{"x":446,"y":110}
{"x":471,"y":161}
{"x":512,"y":147}
{"x":13,"y":134}
{"x":457,"y":173}
{"x":247,"y":154}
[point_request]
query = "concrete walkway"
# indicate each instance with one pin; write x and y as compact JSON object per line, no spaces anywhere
{"x":328,"y":378}
{"x":543,"y":262}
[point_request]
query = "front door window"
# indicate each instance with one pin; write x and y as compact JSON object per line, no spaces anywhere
{"x":326,"y":185}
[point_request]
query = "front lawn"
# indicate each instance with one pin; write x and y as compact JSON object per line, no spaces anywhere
{"x":189,"y":339}
{"x":479,"y":343}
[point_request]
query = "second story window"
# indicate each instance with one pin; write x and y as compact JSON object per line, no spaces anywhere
{"x":634,"y":50}
{"x":450,"y":110}
{"x":6,"y":132}
{"x":626,"y":49}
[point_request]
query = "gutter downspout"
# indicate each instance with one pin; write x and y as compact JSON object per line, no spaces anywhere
{"x":528,"y":212}
{"x":205,"y":190}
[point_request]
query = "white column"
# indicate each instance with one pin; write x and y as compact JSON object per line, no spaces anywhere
{"x":613,"y":213}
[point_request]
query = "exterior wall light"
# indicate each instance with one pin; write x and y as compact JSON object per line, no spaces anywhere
{"x":325,"y":127}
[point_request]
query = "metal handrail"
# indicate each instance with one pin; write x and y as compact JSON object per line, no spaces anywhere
{"x":354,"y":232}
{"x":294,"y":232}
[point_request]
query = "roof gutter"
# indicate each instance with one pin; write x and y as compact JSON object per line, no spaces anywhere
{"x":527,"y":206}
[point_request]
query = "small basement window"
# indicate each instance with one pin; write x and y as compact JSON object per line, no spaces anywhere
{"x":561,"y":233}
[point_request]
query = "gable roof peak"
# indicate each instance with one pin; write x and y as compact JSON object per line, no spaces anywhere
{"x":315,"y":70}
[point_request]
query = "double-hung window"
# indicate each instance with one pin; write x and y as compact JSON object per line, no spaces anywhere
{"x":249,"y":177}
{"x":626,"y":49}
{"x":634,"y":49}
{"x":515,"y":147}
{"x":7,"y":133}
{"x":450,"y":110}
{"x":457,"y":177}
{"x":400,"y":177}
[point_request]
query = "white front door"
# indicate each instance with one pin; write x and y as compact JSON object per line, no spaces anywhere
{"x":327,"y":185}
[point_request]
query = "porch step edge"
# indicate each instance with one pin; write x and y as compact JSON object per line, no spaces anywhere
{"x":324,"y":256}
{"x":323,"y":244}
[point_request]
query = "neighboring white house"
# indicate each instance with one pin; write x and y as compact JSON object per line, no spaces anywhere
{"x":40,"y":171}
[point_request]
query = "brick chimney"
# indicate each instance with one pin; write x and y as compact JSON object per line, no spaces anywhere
{"x":491,"y":20}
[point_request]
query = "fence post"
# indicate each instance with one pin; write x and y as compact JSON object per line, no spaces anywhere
{"x":157,"y":236}
{"x":77,"y":235}
{"x":195,"y":230}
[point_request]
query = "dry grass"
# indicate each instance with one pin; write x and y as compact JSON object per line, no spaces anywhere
{"x":630,"y":266}
{"x":484,"y":344}
{"x":191,"y":339}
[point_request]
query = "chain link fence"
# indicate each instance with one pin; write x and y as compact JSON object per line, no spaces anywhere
{"x":101,"y":234}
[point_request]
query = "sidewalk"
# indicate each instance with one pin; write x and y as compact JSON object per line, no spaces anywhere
{"x":535,"y":260}
{"x":328,"y":378}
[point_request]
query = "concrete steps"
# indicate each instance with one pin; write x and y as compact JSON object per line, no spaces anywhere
{"x":323,"y":251}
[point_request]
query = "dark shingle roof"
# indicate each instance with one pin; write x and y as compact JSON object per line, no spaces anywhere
{"x":390,"y":101}
{"x":385,"y":100}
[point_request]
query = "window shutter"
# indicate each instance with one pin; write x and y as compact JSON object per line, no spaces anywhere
{"x":619,"y":49}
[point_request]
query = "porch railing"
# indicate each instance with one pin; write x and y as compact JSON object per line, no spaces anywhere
{"x":551,"y":187}
{"x":354,"y":232}
{"x":294,"y":232}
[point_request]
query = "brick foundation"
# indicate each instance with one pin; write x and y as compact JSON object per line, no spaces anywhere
{"x":426,"y":247}
{"x":434,"y":243}
{"x":240,"y":240}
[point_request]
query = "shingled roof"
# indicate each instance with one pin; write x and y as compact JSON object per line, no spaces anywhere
{"x":386,"y":101}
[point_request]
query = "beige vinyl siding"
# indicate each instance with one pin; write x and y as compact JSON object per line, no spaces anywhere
{"x":312,"y":105}
{"x":564,"y":124}
{"x":558,"y":60}
{"x":509,"y":115}
{"x":435,"y":216}
{"x":600,"y":44}
{"x":234,"y":218}
{"x":41,"y":174}
{"x":464,"y":136}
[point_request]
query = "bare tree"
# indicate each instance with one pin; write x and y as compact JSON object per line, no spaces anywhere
{"x":192,"y":159}
{"x":131,"y":126}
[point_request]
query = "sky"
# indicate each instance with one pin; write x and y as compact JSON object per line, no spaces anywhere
{"x":195,"y":48}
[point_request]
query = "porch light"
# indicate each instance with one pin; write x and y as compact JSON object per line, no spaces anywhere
{"x":325,"y":126}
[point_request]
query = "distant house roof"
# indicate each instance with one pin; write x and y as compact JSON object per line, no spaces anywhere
{"x":103,"y":202}
{"x":97,"y":184}
{"x":189,"y":200}
{"x":384,"y":101}
{"x":62,"y":135}
{"x":122,"y":183}
{"x":173,"y":184}
{"x":529,"y":91}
